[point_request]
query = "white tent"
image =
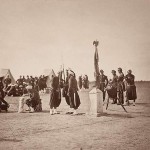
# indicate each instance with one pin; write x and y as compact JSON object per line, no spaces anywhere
{"x":5,"y":72}
{"x":49,"y":73}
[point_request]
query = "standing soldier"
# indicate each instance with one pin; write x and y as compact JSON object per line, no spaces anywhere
{"x":20,"y":81}
{"x":24,"y":79}
{"x":65,"y":88}
{"x":1,"y":83}
{"x":80,"y":82}
{"x":72,"y":92}
{"x":130,"y":87}
{"x":114,"y":85}
{"x":40,"y":84}
{"x":120,"y":87}
{"x":55,"y":95}
{"x":85,"y":82}
{"x":2,"y":94}
{"x":28,"y":80}
{"x":103,"y":82}
{"x":32,"y":81}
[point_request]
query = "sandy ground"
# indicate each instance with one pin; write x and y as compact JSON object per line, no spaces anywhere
{"x":114,"y":130}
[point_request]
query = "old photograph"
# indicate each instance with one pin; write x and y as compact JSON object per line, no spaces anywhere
{"x":74,"y":74}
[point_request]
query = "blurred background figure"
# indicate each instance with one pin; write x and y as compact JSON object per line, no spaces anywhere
{"x":7,"y":81}
{"x":85,"y":82}
{"x":120,"y":86}
{"x":3,"y":104}
{"x":80,"y":82}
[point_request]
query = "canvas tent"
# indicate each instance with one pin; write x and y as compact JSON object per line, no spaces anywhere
{"x":5,"y":72}
{"x":49,"y":73}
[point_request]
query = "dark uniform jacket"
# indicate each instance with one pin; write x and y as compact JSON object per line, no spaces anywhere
{"x":1,"y":84}
{"x":80,"y":82}
{"x":74,"y":99}
{"x":55,"y":83}
{"x":121,"y":86}
{"x":55,"y":93}
{"x":72,"y":84}
{"x":130,"y":88}
{"x":130,"y":79}
{"x":114,"y":81}
{"x":19,"y":81}
{"x":103,"y":82}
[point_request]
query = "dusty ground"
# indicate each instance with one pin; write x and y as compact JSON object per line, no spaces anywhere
{"x":114,"y":130}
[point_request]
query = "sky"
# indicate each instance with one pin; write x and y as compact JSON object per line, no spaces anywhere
{"x":44,"y":34}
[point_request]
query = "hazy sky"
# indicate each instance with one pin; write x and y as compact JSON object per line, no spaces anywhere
{"x":40,"y":34}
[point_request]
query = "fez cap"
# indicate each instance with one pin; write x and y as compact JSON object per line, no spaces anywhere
{"x":113,"y":71}
{"x":71,"y":72}
{"x":120,"y":69}
{"x":129,"y":71}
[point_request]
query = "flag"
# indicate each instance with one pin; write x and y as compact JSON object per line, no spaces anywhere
{"x":96,"y":60}
{"x":96,"y":66}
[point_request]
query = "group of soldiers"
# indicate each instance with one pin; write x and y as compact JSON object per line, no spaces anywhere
{"x":38,"y":83}
{"x":68,"y":87}
{"x":118,"y":86}
{"x":69,"y":92}
{"x":21,"y":88}
{"x":30,"y":96}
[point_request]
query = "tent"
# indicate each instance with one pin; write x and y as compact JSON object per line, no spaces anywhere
{"x":5,"y":72}
{"x":49,"y":73}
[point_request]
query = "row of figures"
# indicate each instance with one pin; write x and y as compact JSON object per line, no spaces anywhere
{"x":68,"y":88}
{"x":69,"y":91}
{"x":38,"y":83}
{"x":83,"y":82}
{"x":118,"y":87}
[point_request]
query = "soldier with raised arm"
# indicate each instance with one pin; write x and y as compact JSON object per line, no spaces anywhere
{"x":120,"y":86}
{"x":74,"y":99}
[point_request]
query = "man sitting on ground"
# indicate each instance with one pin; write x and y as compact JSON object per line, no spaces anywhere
{"x":34,"y":103}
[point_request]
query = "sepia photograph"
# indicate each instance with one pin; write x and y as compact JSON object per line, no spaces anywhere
{"x":74,"y":74}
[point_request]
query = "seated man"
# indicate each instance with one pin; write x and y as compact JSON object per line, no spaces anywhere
{"x":34,"y":103}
